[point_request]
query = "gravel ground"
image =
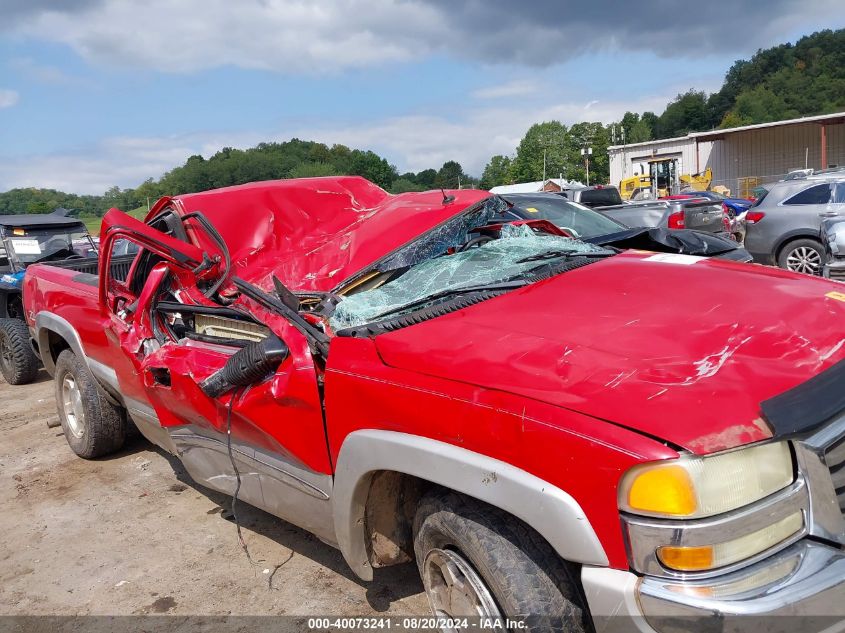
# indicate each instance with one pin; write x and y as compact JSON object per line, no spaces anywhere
{"x":133,"y":534}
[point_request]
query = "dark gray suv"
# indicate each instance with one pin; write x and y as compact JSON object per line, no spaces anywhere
{"x":783,"y":225}
{"x":833,"y":236}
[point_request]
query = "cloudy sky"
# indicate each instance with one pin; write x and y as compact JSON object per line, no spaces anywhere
{"x":95,"y":93}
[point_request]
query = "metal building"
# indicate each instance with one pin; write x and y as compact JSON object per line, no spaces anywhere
{"x":742,"y":157}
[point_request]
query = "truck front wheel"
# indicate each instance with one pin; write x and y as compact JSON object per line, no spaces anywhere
{"x":18,"y":363}
{"x":476,"y":560}
{"x":92,"y":425}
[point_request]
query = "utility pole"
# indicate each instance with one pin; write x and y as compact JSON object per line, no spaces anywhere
{"x":544,"y":165}
{"x":586,"y":152}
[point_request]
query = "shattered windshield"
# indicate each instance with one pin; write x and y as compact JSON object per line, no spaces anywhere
{"x":517,"y":251}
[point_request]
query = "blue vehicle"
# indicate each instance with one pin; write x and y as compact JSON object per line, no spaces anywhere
{"x":25,"y":240}
{"x":737,"y":205}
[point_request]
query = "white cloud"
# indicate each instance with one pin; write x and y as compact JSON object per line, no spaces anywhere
{"x":123,"y":161}
{"x":283,"y":35}
{"x":420,"y":142}
{"x":8,"y":98}
{"x":412,"y":142}
{"x":297,"y":36}
{"x":515,"y":88}
{"x":45,"y":73}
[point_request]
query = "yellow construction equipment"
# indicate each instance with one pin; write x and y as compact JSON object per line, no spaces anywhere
{"x":697,"y":182}
{"x":628,"y":187}
{"x":663,"y":180}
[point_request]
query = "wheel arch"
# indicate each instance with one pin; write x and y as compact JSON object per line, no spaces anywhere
{"x":53,"y":334}
{"x":791,"y":236}
{"x":553,"y":513}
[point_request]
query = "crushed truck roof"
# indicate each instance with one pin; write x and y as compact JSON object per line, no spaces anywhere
{"x":313,"y":233}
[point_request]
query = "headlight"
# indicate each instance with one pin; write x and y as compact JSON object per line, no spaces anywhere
{"x":695,"y":487}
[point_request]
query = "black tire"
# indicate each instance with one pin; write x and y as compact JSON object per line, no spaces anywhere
{"x":94,"y":427}
{"x":803,"y":250}
{"x":18,"y":363}
{"x":524,"y":575}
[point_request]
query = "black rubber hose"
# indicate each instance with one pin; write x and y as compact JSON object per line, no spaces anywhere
{"x":246,"y":366}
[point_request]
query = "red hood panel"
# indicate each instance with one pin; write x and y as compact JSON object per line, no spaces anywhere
{"x":682,"y":352}
{"x":315,"y":232}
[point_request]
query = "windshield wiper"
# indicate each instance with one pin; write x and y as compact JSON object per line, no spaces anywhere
{"x":452,"y":292}
{"x":561,"y":253}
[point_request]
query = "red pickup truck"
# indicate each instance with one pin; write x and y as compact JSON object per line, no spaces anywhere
{"x":567,"y":435}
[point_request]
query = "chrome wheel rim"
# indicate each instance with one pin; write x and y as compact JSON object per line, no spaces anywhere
{"x":455,"y":590}
{"x":804,"y":260}
{"x":72,"y":406}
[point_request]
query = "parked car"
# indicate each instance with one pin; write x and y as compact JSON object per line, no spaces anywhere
{"x":737,"y":205}
{"x":594,"y":227}
{"x":833,"y":238}
{"x":783,"y":225}
{"x":592,"y":196}
{"x":799,"y":174}
{"x":549,"y":428}
{"x":695,"y":213}
{"x":734,"y":208}
{"x":24,"y":240}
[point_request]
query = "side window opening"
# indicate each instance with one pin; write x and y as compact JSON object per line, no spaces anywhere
{"x":817,"y":194}
{"x":168,"y":223}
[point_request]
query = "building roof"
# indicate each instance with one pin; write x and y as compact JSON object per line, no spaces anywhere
{"x":674,"y":139}
{"x":713,"y":135}
{"x":532,"y":187}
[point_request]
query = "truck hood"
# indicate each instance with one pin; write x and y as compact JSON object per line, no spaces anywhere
{"x":683,"y":349}
{"x":313,"y":233}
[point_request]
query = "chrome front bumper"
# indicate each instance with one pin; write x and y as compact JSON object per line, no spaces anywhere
{"x":801,"y":588}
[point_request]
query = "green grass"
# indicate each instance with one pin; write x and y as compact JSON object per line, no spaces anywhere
{"x":93,"y":224}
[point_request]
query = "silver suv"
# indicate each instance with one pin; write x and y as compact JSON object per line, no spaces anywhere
{"x":783,"y":225}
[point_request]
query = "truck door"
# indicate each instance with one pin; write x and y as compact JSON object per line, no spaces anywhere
{"x":273,"y":429}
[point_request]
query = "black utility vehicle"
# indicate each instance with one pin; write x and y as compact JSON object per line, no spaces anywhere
{"x":25,"y":240}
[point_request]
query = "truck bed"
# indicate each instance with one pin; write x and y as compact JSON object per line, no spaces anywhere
{"x":91,"y":266}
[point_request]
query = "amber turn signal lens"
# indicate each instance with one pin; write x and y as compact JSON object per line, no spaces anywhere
{"x":686,"y":558}
{"x":668,"y":490}
{"x":704,"y":557}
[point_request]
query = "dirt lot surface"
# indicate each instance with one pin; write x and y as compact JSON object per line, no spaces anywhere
{"x":132,"y":534}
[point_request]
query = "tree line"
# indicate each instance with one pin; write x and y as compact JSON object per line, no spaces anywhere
{"x":785,"y":81}
{"x":267,"y":161}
